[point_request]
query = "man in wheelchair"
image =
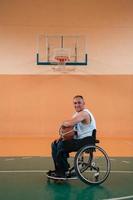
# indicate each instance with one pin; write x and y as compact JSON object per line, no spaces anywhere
{"x":80,"y":129}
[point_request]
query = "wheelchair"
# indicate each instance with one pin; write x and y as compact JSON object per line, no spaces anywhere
{"x":91,"y":163}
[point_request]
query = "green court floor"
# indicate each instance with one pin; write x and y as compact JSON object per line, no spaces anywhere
{"x":23,"y":178}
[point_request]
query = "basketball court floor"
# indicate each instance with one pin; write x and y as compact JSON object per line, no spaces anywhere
{"x":24,"y":178}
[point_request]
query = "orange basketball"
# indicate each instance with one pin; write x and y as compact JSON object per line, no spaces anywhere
{"x":67,"y":133}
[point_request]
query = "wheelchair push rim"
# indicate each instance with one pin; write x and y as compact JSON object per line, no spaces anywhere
{"x":92,"y":165}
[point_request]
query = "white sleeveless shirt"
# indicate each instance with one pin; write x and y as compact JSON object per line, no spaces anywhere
{"x":85,"y":130}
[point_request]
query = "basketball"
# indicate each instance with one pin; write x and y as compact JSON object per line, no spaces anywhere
{"x":67,"y":133}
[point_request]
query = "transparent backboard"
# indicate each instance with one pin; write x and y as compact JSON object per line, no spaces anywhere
{"x":50,"y":46}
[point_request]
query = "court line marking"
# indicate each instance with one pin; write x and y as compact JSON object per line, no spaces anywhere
{"x":27,"y":157}
{"x":120,"y":198}
{"x":8,"y":159}
{"x":44,"y":171}
{"x":121,"y":172}
{"x":23,"y":171}
{"x":124,"y":161}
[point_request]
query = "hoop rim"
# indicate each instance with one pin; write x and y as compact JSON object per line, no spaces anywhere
{"x":62,"y":59}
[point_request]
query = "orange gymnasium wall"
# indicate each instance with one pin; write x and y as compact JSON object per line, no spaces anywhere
{"x":34,"y":100}
{"x":106,"y":24}
{"x":33,"y":107}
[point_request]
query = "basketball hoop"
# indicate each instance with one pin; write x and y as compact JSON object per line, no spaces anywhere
{"x":62,"y":59}
{"x":61,"y":56}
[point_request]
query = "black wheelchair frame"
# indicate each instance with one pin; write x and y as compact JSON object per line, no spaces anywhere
{"x":91,"y":163}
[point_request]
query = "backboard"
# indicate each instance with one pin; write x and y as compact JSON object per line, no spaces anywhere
{"x":51,"y":49}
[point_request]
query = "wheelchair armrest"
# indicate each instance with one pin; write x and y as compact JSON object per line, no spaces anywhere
{"x":97,"y":141}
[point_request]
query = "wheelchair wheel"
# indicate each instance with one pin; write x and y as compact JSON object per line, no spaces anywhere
{"x":92,"y":165}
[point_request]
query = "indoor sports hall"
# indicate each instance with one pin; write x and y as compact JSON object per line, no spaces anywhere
{"x":50,"y":51}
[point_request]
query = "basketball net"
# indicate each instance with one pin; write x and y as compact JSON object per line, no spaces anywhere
{"x":61,"y":57}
